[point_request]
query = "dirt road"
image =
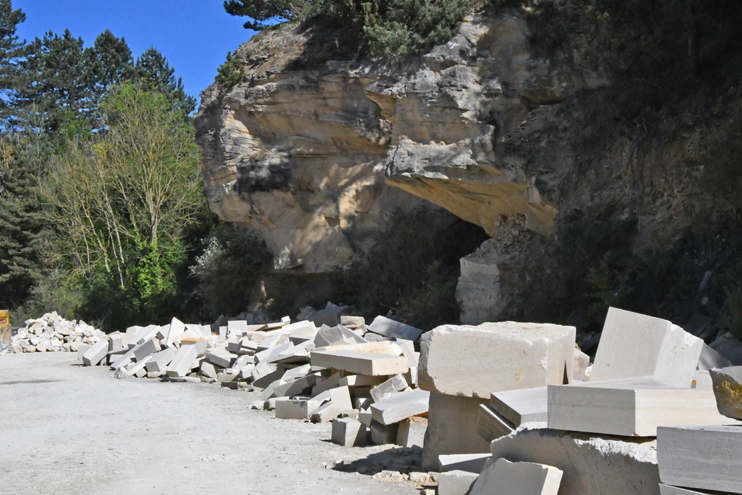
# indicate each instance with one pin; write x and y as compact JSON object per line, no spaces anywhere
{"x":65,"y":429}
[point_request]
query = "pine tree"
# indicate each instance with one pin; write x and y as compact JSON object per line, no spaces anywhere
{"x":153,"y":73}
{"x":10,"y":52}
{"x":111,"y":62}
{"x":57,"y":79}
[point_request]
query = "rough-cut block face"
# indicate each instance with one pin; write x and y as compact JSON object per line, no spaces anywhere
{"x":727,"y":385}
{"x":476,"y":361}
{"x":632,"y":407}
{"x":702,"y":457}
{"x":634,"y":345}
{"x":521,"y":406}
{"x":502,"y":477}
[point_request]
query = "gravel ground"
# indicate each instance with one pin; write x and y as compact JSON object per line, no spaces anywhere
{"x":68,"y":429}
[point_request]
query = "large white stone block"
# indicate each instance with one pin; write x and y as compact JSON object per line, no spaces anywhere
{"x":362,"y":363}
{"x":349,"y":432}
{"x":635,"y":345}
{"x":160,"y":360}
{"x":704,"y":457}
{"x":146,"y":349}
{"x":390,"y":387}
{"x":502,"y":477}
{"x":476,"y":361}
{"x":632,"y":407}
{"x":591,"y":465}
{"x":177,"y":328}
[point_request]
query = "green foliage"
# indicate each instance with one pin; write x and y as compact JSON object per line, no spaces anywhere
{"x":383,"y":28}
{"x":229,"y":269}
{"x":153,"y":73}
{"x":261,"y":10}
{"x":11,"y":51}
{"x":231,"y":71}
{"x":412,"y":269}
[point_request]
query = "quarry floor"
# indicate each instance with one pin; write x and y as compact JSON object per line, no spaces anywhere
{"x":68,"y":429}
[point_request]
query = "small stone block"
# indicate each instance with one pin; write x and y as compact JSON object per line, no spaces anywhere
{"x":348,"y":432}
{"x":456,"y":482}
{"x":502,"y":477}
{"x":383,"y":434}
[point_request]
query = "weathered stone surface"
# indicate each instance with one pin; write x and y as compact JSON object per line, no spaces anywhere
{"x":160,"y":360}
{"x":635,"y":345}
{"x":382,"y":434}
{"x":452,"y":428}
{"x":181,"y":363}
{"x":502,"y":477}
{"x":456,"y":482}
{"x":393,"y":385}
{"x":591,"y":465}
{"x":727,"y":386}
{"x":95,"y":354}
{"x":704,"y":457}
{"x":632,"y":407}
{"x":457,"y":360}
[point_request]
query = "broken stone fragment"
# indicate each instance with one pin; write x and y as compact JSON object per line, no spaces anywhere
{"x":727,"y":386}
{"x":502,"y":477}
{"x":411,"y":432}
{"x":400,"y":406}
{"x":393,"y":329}
{"x":393,"y":385}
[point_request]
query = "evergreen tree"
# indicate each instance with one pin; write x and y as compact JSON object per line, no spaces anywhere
{"x":56,"y":78}
{"x":21,"y":218}
{"x":111,"y":62}
{"x":153,"y":73}
{"x":263,"y":10}
{"x":10,"y":52}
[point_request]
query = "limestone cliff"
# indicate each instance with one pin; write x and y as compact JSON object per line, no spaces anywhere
{"x":315,"y":150}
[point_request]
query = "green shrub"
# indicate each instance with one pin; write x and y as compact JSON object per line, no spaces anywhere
{"x":231,"y":71}
{"x":228,"y":270}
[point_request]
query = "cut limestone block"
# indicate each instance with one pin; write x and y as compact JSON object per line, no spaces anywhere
{"x":199,"y":344}
{"x":390,"y":387}
{"x":349,"y":432}
{"x":581,"y":368}
{"x":591,"y":465}
{"x":160,"y":360}
{"x":452,"y":428}
{"x":705,"y":457}
{"x":456,"y":482}
{"x":413,"y":358}
{"x":297,"y":408}
{"x":181,"y":363}
{"x":674,"y":490}
{"x":339,"y":402}
{"x":365,"y":417}
{"x":383,"y":434}
{"x":710,"y":359}
{"x":95,"y":354}
{"x":490,"y":425}
{"x":390,"y":328}
{"x":220,"y":357}
{"x":702,"y":380}
{"x":401,"y":406}
{"x":209,"y":370}
{"x":502,"y":477}
{"x":727,"y":387}
{"x":457,"y":360}
{"x":81,"y":348}
{"x":352,"y":322}
{"x":177,"y":328}
{"x":635,"y":345}
{"x":302,"y":386}
{"x":362,"y":363}
{"x":147,"y":348}
{"x":119,"y":341}
{"x":633,"y":407}
{"x":472,"y":463}
{"x":236,"y":327}
{"x":411,"y":432}
{"x":521,"y":406}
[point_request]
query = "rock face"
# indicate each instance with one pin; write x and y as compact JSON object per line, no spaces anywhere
{"x":306,"y":155}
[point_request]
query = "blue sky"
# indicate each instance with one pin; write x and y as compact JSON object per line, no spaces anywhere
{"x":194,"y":35}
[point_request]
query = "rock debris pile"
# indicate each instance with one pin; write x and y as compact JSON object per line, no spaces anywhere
{"x":52,"y":333}
{"x":505,"y":408}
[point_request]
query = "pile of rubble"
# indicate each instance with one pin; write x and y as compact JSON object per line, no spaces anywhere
{"x":52,"y":333}
{"x":505,"y":408}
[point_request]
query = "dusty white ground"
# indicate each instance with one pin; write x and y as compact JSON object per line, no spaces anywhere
{"x":67,"y":429}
